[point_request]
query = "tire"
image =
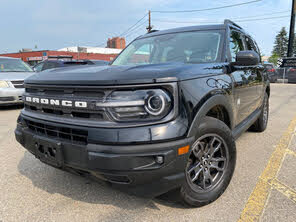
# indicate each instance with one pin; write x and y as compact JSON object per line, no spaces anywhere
{"x":261,"y":123}
{"x":202,"y":191}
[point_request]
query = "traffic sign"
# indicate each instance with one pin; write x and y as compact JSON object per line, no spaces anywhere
{"x":286,"y":62}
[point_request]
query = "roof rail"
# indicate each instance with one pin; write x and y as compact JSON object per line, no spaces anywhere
{"x":229,"y":22}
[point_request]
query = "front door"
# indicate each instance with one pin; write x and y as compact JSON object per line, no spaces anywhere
{"x":244,"y":78}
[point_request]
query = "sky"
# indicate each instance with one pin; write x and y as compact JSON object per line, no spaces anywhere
{"x":55,"y":24}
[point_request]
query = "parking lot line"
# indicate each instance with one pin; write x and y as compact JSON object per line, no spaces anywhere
{"x":256,"y":202}
{"x":284,"y":189}
{"x":290,"y":152}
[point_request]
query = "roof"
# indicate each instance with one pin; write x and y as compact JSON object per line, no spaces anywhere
{"x":185,"y":29}
{"x":194,"y":28}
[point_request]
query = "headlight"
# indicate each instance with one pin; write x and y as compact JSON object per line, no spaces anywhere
{"x":138,"y":105}
{"x":4,"y":84}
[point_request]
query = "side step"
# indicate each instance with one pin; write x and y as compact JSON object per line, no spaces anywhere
{"x":245,"y":125}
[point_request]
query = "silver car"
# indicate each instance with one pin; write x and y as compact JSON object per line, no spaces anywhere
{"x":12,"y":74}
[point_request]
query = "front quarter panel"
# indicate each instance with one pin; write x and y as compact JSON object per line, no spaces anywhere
{"x":198,"y":96}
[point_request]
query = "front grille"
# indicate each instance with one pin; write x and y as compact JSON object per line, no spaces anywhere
{"x":67,"y":113}
{"x":18,"y":84}
{"x":63,"y":133}
{"x":89,"y":95}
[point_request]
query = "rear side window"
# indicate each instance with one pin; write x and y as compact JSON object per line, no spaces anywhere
{"x":236,"y":44}
{"x":251,"y":45}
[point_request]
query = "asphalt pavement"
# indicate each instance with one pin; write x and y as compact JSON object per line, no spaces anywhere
{"x":263,"y":187}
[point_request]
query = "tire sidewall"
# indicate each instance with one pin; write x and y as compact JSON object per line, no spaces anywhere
{"x":211,"y":125}
{"x":265,"y":103}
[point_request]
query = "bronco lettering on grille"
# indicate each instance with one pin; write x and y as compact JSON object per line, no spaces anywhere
{"x":56,"y":102}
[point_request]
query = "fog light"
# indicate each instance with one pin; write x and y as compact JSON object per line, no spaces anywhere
{"x":159,"y":159}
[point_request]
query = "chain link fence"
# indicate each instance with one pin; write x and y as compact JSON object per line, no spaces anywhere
{"x":282,"y":74}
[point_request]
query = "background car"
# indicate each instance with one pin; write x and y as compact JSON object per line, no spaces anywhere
{"x":99,"y":62}
{"x":291,"y":75}
{"x":12,"y":74}
{"x":57,"y":63}
{"x":271,"y":72}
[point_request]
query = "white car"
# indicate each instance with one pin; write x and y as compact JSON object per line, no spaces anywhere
{"x":12,"y":74}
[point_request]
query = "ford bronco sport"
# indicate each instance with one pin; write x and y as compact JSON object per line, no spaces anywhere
{"x":164,"y":115}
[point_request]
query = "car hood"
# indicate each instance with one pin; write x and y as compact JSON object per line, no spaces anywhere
{"x":15,"y":75}
{"x":116,"y":75}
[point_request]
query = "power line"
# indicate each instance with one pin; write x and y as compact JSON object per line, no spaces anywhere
{"x":100,"y":45}
{"x":247,"y":20}
{"x":136,"y":28}
{"x":210,"y":9}
{"x":254,"y":16}
{"x":209,"y":22}
{"x":126,"y":31}
{"x":136,"y":34}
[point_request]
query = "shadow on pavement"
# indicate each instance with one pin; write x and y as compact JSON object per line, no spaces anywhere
{"x":85,"y":189}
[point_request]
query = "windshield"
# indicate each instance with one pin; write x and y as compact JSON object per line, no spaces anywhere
{"x":14,"y":65}
{"x":185,"y":47}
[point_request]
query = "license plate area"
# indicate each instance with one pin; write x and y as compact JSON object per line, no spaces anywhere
{"x":48,"y":151}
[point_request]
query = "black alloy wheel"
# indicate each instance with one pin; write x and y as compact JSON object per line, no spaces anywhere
{"x":210,"y":165}
{"x":207,"y":162}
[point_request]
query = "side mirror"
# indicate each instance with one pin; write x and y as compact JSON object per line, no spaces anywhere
{"x":247,"y":58}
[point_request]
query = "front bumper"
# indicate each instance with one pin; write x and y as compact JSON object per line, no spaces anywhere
{"x":133,"y":166}
{"x":11,"y":96}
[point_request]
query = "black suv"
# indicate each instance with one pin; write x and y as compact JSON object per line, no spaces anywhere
{"x":164,"y":115}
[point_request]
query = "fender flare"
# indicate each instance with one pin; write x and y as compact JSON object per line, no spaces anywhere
{"x":206,"y":107}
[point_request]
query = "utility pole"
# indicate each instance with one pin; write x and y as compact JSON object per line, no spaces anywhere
{"x":78,"y":51}
{"x":292,"y":30}
{"x":149,"y":28}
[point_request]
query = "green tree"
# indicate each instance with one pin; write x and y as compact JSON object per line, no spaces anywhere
{"x":280,"y":47}
{"x":273,"y":59}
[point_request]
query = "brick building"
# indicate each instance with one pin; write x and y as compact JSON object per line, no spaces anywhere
{"x":114,"y":47}
{"x":37,"y":56}
{"x":116,"y":43}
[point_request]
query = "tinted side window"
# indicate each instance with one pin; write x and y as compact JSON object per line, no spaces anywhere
{"x":257,"y":49}
{"x":250,"y":44}
{"x":236,"y":44}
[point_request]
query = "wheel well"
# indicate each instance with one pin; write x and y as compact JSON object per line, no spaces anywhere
{"x":219,"y":112}
{"x":268,"y":90}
